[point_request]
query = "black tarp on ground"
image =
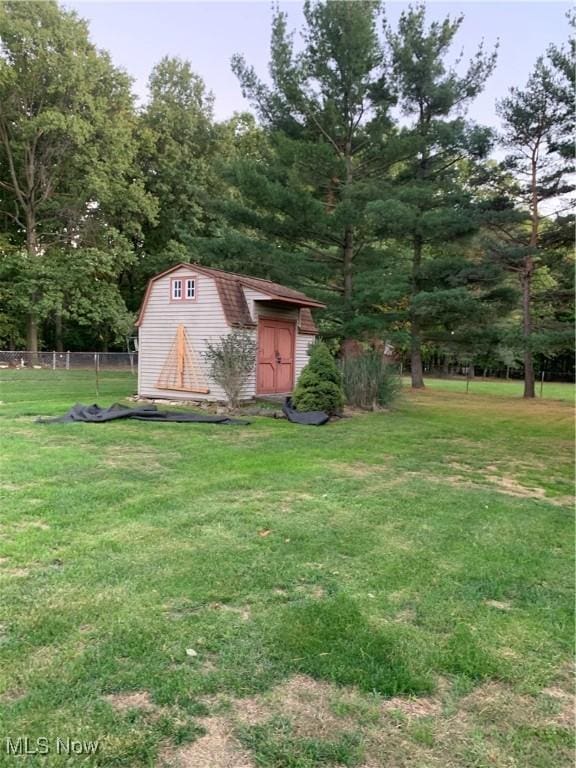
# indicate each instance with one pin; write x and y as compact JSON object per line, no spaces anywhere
{"x":94,"y":414}
{"x":311,"y":418}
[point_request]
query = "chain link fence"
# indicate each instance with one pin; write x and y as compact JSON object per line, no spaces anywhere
{"x":41,"y":378}
{"x":111,"y":361}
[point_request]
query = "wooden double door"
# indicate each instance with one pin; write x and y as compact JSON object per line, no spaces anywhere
{"x":276,"y":344}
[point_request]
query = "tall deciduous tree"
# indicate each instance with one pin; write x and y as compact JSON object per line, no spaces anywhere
{"x":430,"y":201}
{"x":66,"y":150}
{"x":178,"y":150}
{"x":536,"y":120}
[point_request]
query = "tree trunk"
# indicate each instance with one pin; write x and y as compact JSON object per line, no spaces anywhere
{"x":529,"y":385}
{"x":348,"y":249}
{"x":32,"y":337}
{"x":348,"y":256}
{"x":526,"y":281}
{"x":416,"y":370}
{"x":58,"y":332}
{"x":32,"y":247}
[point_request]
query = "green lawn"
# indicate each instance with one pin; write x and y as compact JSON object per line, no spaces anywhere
{"x":393,"y":589}
{"x":551,"y":390}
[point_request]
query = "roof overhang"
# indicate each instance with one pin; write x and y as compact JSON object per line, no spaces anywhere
{"x":294,"y":302}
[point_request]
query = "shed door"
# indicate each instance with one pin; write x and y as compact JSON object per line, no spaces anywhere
{"x":275,"y":356}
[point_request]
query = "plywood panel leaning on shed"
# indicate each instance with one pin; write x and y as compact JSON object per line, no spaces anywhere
{"x":182,"y":370}
{"x":189,"y":305}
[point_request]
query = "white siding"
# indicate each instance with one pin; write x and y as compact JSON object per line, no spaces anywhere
{"x":303,"y":341}
{"x":203,"y":319}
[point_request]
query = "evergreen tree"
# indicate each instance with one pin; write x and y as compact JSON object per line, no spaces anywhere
{"x":298,"y":213}
{"x":319,"y":386}
{"x":535,"y":242}
{"x":429,"y":203}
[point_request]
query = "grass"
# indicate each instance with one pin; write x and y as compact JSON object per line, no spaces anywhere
{"x":391,"y":589}
{"x":551,"y":390}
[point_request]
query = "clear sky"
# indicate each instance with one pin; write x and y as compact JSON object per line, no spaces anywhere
{"x":139,"y":34}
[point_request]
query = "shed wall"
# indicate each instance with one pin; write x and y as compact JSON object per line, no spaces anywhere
{"x":204,"y":320}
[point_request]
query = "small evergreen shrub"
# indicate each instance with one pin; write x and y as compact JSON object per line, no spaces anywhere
{"x":319,"y":386}
{"x":369,"y":381}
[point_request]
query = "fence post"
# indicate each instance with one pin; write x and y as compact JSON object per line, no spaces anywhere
{"x":467,"y":379}
{"x":68,"y":360}
{"x":542,"y":384}
{"x":97,"y":372}
{"x":53,"y":361}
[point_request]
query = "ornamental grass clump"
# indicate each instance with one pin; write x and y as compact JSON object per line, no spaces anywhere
{"x":369,"y":381}
{"x":319,"y":386}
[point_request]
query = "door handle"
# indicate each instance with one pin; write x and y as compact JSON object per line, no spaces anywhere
{"x":278,"y":357}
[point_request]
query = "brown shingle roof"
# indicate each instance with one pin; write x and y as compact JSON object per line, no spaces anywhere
{"x":306,"y":322}
{"x":233,"y":302}
{"x":274,"y":290}
{"x":229,"y":286}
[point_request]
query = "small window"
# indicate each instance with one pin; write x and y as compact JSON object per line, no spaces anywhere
{"x":183,"y":288}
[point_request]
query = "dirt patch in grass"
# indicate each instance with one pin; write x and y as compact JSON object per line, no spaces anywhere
{"x":142,"y":458}
{"x":122,"y":702}
{"x":406,"y":615}
{"x":511,"y":486}
{"x":500,"y":605}
{"x":423,"y":706}
{"x":23,"y":525}
{"x":10,"y":487}
{"x":359,"y":469}
{"x":421,"y":732}
{"x":218,"y":748}
{"x":16,"y":572}
{"x":315,"y":591}
{"x":182,"y":609}
{"x":480,"y":478}
{"x":243,"y":612}
{"x":495,"y":702}
{"x":40,"y":524}
{"x":307,"y":703}
{"x":12,"y":696}
{"x":566,"y":703}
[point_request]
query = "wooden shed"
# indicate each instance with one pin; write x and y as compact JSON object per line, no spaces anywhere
{"x":189,"y":305}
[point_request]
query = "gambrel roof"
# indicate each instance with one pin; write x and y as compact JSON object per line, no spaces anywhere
{"x":230,"y":290}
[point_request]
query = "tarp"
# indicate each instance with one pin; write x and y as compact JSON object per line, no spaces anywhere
{"x":94,"y":414}
{"x":311,"y":418}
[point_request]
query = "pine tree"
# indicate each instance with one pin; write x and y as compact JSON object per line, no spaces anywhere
{"x":429,"y":203}
{"x":536,"y":121}
{"x":299,"y":214}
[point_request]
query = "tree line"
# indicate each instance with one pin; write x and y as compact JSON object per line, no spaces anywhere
{"x":357,"y":177}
